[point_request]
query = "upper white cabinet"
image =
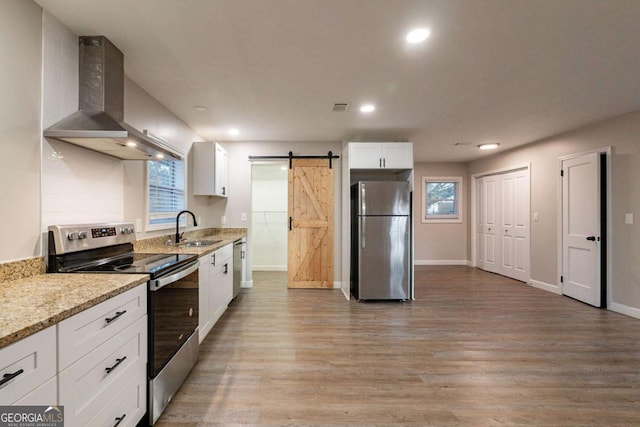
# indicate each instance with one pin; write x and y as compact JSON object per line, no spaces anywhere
{"x":381,"y":155}
{"x":210,"y":169}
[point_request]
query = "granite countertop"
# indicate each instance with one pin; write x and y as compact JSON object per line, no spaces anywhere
{"x":34,"y":303}
{"x":225,"y":239}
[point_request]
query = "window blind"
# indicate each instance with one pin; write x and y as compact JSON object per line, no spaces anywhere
{"x":166,"y":190}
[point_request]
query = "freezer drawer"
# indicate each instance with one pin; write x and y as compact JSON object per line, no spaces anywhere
{"x":383,"y":257}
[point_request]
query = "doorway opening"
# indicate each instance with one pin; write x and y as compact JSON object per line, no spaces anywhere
{"x":269,"y":183}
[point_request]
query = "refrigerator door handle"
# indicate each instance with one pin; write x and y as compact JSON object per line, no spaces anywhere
{"x":363,"y":229}
{"x":363,"y":201}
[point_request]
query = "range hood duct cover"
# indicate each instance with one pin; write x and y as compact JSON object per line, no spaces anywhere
{"x":99,"y":124}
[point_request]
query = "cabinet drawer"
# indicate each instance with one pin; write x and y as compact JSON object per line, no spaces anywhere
{"x":223,"y":254}
{"x":80,"y":334}
{"x":45,"y":395}
{"x":35,"y":356}
{"x":93,"y":380}
{"x":127,"y":406}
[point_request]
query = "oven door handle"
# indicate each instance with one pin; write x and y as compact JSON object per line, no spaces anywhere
{"x":184,"y":272}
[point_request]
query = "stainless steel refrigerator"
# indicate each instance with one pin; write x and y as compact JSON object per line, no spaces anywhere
{"x":381,"y":240}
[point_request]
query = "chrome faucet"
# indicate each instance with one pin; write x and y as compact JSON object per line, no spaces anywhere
{"x":195,"y":224}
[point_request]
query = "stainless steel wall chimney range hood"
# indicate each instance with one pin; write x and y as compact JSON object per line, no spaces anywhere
{"x":99,"y":124}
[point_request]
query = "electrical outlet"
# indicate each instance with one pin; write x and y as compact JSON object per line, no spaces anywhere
{"x":223,"y":219}
{"x":138,"y":225}
{"x":243,"y":216}
{"x":199,"y":219}
{"x":628,"y":218}
{"x":535,"y":217}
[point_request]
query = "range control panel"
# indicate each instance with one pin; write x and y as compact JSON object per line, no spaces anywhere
{"x":72,"y":238}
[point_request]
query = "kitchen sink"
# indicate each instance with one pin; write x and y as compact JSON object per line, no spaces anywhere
{"x":197,"y":243}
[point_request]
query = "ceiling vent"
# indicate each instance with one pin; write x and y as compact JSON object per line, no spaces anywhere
{"x":339,"y":107}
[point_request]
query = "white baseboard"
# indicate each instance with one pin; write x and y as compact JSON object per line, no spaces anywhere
{"x":269,"y":268}
{"x":545,"y":286}
{"x":625,"y":309}
{"x":441,"y":262}
{"x":246,"y":284}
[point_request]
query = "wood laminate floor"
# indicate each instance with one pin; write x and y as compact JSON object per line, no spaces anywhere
{"x":473,"y":349}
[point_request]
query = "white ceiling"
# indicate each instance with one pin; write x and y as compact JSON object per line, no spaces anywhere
{"x":510,"y":71}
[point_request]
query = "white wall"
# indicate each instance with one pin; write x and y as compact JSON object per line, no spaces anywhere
{"x":621,"y":133}
{"x":79,"y":185}
{"x":269,"y":217}
{"x":240,"y":184}
{"x":444,"y":243}
{"x":20,"y":86}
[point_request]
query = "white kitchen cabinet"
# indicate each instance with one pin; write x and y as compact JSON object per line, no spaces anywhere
{"x":381,"y":155}
{"x":210,"y":169}
{"x":205,"y":320}
{"x":222,"y":281}
{"x":100,"y":351}
{"x":31,"y":365}
{"x":216,"y":287}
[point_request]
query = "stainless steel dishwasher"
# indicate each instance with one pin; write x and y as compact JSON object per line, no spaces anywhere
{"x":239,"y":255}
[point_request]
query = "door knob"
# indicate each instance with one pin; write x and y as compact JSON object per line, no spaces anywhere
{"x":591,"y":238}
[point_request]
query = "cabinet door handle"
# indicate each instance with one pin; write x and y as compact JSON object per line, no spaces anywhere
{"x":226,"y":268}
{"x":8,"y":377}
{"x":290,"y":223}
{"x":119,"y":420}
{"x":118,"y":361}
{"x":380,"y":162}
{"x":115,"y":316}
{"x":384,"y":163}
{"x":591,"y":238}
{"x":213,"y":260}
{"x":224,"y":191}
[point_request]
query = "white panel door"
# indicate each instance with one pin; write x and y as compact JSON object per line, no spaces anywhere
{"x":505,"y":232}
{"x":479,"y":223}
{"x":491,"y":222}
{"x":521,"y":226}
{"x":581,"y":225}
{"x":503,"y":224}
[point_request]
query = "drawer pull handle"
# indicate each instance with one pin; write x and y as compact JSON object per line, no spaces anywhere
{"x":119,"y":420}
{"x":118,"y":314}
{"x":118,"y":361}
{"x":226,"y":269}
{"x":8,"y":377}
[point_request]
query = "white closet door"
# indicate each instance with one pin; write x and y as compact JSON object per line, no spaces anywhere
{"x":479,"y":223}
{"x":504,"y":204}
{"x":492,"y":249}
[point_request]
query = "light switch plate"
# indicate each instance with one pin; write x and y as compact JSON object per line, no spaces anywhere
{"x":138,"y":225}
{"x":243,"y":216}
{"x":535,"y":217}
{"x":628,"y":218}
{"x":223,"y":219}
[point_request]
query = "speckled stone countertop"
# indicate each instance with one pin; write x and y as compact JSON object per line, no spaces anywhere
{"x":226,"y":236}
{"x":34,"y":303}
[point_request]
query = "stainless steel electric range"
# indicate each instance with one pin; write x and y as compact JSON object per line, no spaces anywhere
{"x":172,"y":296}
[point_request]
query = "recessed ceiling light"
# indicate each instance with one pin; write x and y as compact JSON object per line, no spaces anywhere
{"x":160,"y":156}
{"x":367,"y":108}
{"x":234,"y":131}
{"x":418,"y":35}
{"x":201,"y":108}
{"x":283,"y":168}
{"x":131,"y":144}
{"x":489,"y":146}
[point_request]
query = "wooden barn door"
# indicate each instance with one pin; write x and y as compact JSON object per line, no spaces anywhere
{"x":310,"y":242}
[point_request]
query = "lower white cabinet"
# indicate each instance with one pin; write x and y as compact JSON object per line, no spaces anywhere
{"x":94,"y":378}
{"x":216,"y":287}
{"x":28,"y":370}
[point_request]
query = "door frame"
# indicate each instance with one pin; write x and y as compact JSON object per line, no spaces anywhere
{"x":474,"y":208}
{"x":608,"y":152}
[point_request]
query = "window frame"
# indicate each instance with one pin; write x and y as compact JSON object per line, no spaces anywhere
{"x":442,"y":219}
{"x":168,"y":215}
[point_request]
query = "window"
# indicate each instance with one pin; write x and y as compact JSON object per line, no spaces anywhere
{"x":441,"y":199}
{"x":166,"y":193}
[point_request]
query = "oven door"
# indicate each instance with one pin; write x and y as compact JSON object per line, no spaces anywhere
{"x":173,"y":314}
